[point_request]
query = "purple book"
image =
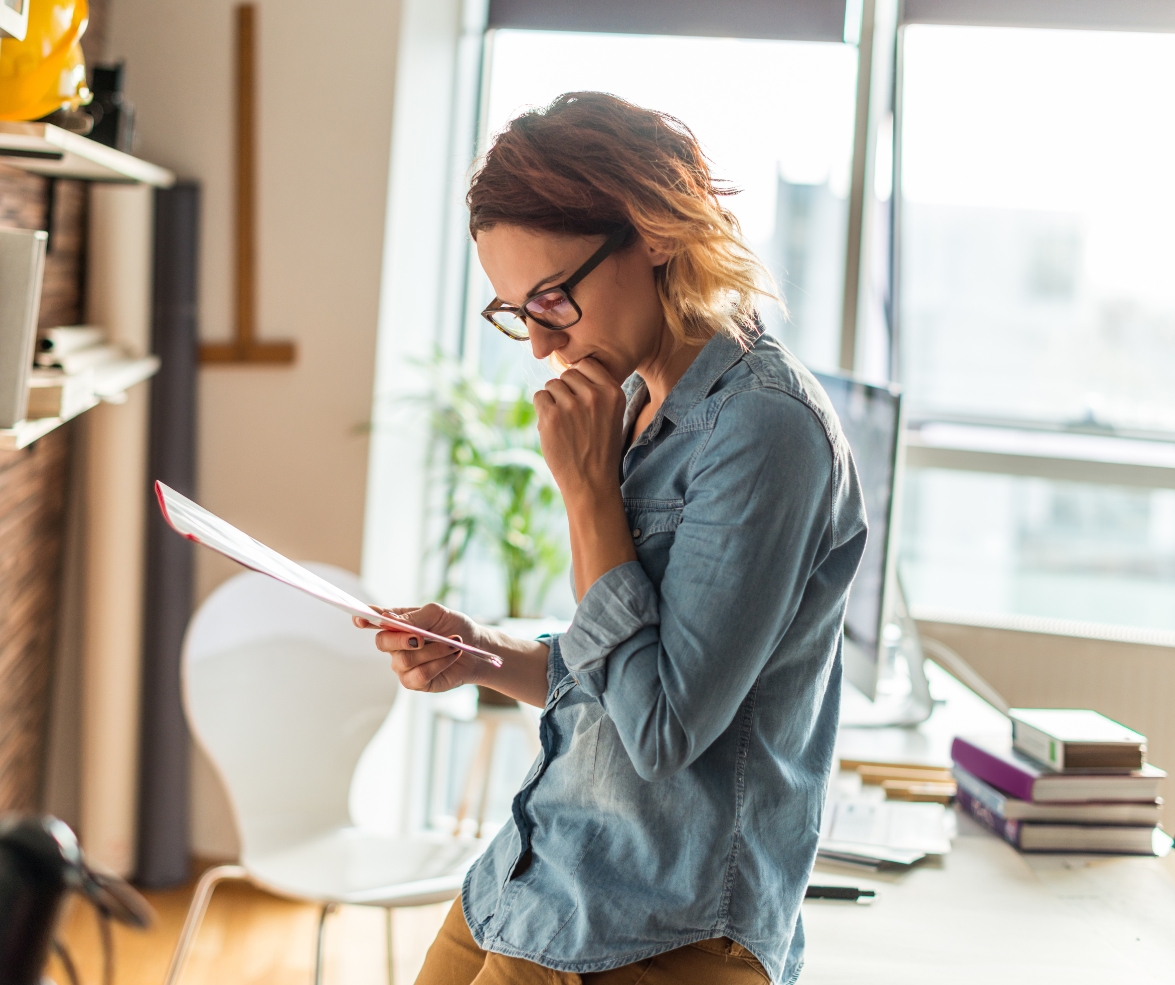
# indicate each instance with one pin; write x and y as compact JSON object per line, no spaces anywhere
{"x":1113,"y":839}
{"x":1018,"y":776}
{"x":1007,"y":829}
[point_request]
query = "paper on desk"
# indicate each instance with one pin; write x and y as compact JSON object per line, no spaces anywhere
{"x":197,"y":524}
{"x":886,"y":824}
{"x":863,"y":828}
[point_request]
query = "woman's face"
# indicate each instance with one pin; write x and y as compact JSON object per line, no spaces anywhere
{"x":622,"y":325}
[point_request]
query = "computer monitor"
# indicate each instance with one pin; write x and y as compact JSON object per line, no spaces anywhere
{"x":871,"y":418}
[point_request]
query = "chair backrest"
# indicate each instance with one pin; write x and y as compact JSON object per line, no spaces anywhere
{"x":283,"y":693}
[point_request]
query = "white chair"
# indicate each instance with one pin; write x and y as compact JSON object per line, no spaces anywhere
{"x":284,"y":693}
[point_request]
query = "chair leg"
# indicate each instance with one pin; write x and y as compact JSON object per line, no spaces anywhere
{"x":477,"y":772}
{"x":391,"y":951}
{"x":199,"y":905}
{"x":320,"y":949}
{"x":491,"y":742}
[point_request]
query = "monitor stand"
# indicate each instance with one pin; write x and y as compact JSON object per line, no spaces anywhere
{"x":903,"y":695}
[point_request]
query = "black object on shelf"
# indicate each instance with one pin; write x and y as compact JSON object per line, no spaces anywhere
{"x":163,"y":782}
{"x":114,"y":116}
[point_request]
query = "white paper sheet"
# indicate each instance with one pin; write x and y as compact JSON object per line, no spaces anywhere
{"x":197,"y":524}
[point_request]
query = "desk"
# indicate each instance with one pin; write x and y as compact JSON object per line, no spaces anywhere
{"x":989,"y":914}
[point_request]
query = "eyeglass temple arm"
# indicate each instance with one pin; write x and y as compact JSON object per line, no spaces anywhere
{"x":611,"y":245}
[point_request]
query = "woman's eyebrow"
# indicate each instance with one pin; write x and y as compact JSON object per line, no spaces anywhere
{"x":545,"y":280}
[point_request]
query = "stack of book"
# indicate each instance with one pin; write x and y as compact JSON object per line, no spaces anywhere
{"x":69,"y":362}
{"x":1068,"y":781}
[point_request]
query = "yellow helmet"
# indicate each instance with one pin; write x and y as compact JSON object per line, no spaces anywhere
{"x":46,"y":71}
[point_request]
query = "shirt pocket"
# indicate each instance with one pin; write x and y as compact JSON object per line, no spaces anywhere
{"x":653,"y":524}
{"x":648,"y":518}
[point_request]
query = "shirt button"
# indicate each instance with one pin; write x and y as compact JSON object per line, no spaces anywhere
{"x":636,"y":533}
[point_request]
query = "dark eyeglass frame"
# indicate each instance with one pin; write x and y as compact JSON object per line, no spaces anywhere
{"x":610,"y":246}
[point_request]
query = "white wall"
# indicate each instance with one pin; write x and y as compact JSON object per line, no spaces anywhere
{"x":282,"y":451}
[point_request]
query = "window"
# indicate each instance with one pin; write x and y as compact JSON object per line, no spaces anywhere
{"x":1037,"y":314}
{"x":775,"y":117}
{"x":1038,"y":236}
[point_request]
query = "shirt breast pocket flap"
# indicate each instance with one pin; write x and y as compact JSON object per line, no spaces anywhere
{"x":647,"y":522}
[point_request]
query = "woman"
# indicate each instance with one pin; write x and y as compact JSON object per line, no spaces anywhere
{"x":668,"y":829}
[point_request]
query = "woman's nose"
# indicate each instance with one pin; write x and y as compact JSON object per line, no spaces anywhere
{"x":543,"y":341}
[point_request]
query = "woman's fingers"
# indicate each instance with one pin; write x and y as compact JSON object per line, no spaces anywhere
{"x":406,"y":657}
{"x":594,"y":371}
{"x":560,"y":392}
{"x":390,"y":640}
{"x":420,"y":677}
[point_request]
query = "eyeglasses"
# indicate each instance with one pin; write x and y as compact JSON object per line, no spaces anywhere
{"x":552,"y":307}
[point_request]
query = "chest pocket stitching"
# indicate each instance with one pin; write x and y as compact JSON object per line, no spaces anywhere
{"x":650,"y":522}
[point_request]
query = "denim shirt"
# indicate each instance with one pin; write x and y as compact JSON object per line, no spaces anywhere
{"x":692,"y":709}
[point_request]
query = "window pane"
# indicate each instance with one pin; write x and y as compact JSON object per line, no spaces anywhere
{"x":775,"y":117}
{"x":1010,"y":545}
{"x":1038,"y":236}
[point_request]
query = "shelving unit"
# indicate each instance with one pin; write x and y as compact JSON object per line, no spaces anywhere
{"x":45,"y":149}
{"x":111,"y":381}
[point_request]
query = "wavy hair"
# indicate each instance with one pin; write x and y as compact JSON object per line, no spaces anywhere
{"x":589,"y":163}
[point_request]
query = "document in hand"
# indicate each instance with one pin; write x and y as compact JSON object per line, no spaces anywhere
{"x":197,"y":524}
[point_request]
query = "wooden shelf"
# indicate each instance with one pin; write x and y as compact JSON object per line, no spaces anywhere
{"x":45,"y":149}
{"x":111,"y":381}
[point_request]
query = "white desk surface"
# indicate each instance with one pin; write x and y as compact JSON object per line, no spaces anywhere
{"x":989,"y":914}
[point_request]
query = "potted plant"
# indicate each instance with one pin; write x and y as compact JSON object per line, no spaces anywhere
{"x":498,"y":489}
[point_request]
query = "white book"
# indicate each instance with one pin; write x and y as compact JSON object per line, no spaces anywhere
{"x":69,"y":338}
{"x":1076,"y":739}
{"x":79,"y":359}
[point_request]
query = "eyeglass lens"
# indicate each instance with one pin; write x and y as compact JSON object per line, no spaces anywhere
{"x":552,"y":309}
{"x":510,"y":323}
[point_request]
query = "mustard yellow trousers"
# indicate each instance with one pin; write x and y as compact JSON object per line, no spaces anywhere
{"x":455,"y":959}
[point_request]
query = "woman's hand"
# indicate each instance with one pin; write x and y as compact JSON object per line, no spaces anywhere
{"x":580,"y":415}
{"x":421,"y":664}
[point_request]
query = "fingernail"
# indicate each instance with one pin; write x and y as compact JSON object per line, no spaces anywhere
{"x":413,"y":642}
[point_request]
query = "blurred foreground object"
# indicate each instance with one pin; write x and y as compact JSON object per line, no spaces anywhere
{"x":40,"y":863}
{"x":46,"y":71}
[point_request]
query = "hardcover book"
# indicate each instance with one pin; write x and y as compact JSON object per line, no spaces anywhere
{"x":1076,"y":739}
{"x":1013,"y":809}
{"x":1015,"y":774}
{"x":1031,"y":836}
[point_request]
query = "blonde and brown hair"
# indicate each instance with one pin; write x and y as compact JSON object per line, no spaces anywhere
{"x":589,"y":163}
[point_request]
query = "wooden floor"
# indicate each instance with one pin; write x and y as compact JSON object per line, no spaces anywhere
{"x":251,"y":937}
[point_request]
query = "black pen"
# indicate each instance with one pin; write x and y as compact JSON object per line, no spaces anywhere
{"x":850,"y":893}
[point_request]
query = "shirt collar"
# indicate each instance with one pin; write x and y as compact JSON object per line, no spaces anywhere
{"x":716,"y":357}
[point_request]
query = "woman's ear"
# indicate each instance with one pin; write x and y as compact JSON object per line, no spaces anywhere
{"x":657,"y":258}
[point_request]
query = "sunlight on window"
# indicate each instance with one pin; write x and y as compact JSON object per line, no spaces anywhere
{"x":776,"y":119}
{"x":1038,"y":244}
{"x":1038,"y":218}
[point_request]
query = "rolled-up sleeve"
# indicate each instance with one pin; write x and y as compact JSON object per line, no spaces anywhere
{"x":617,"y":606}
{"x":672,"y":663}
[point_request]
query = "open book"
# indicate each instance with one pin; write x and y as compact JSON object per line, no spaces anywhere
{"x":197,"y":524}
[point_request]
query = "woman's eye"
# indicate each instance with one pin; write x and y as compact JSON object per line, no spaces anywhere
{"x":545,"y":303}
